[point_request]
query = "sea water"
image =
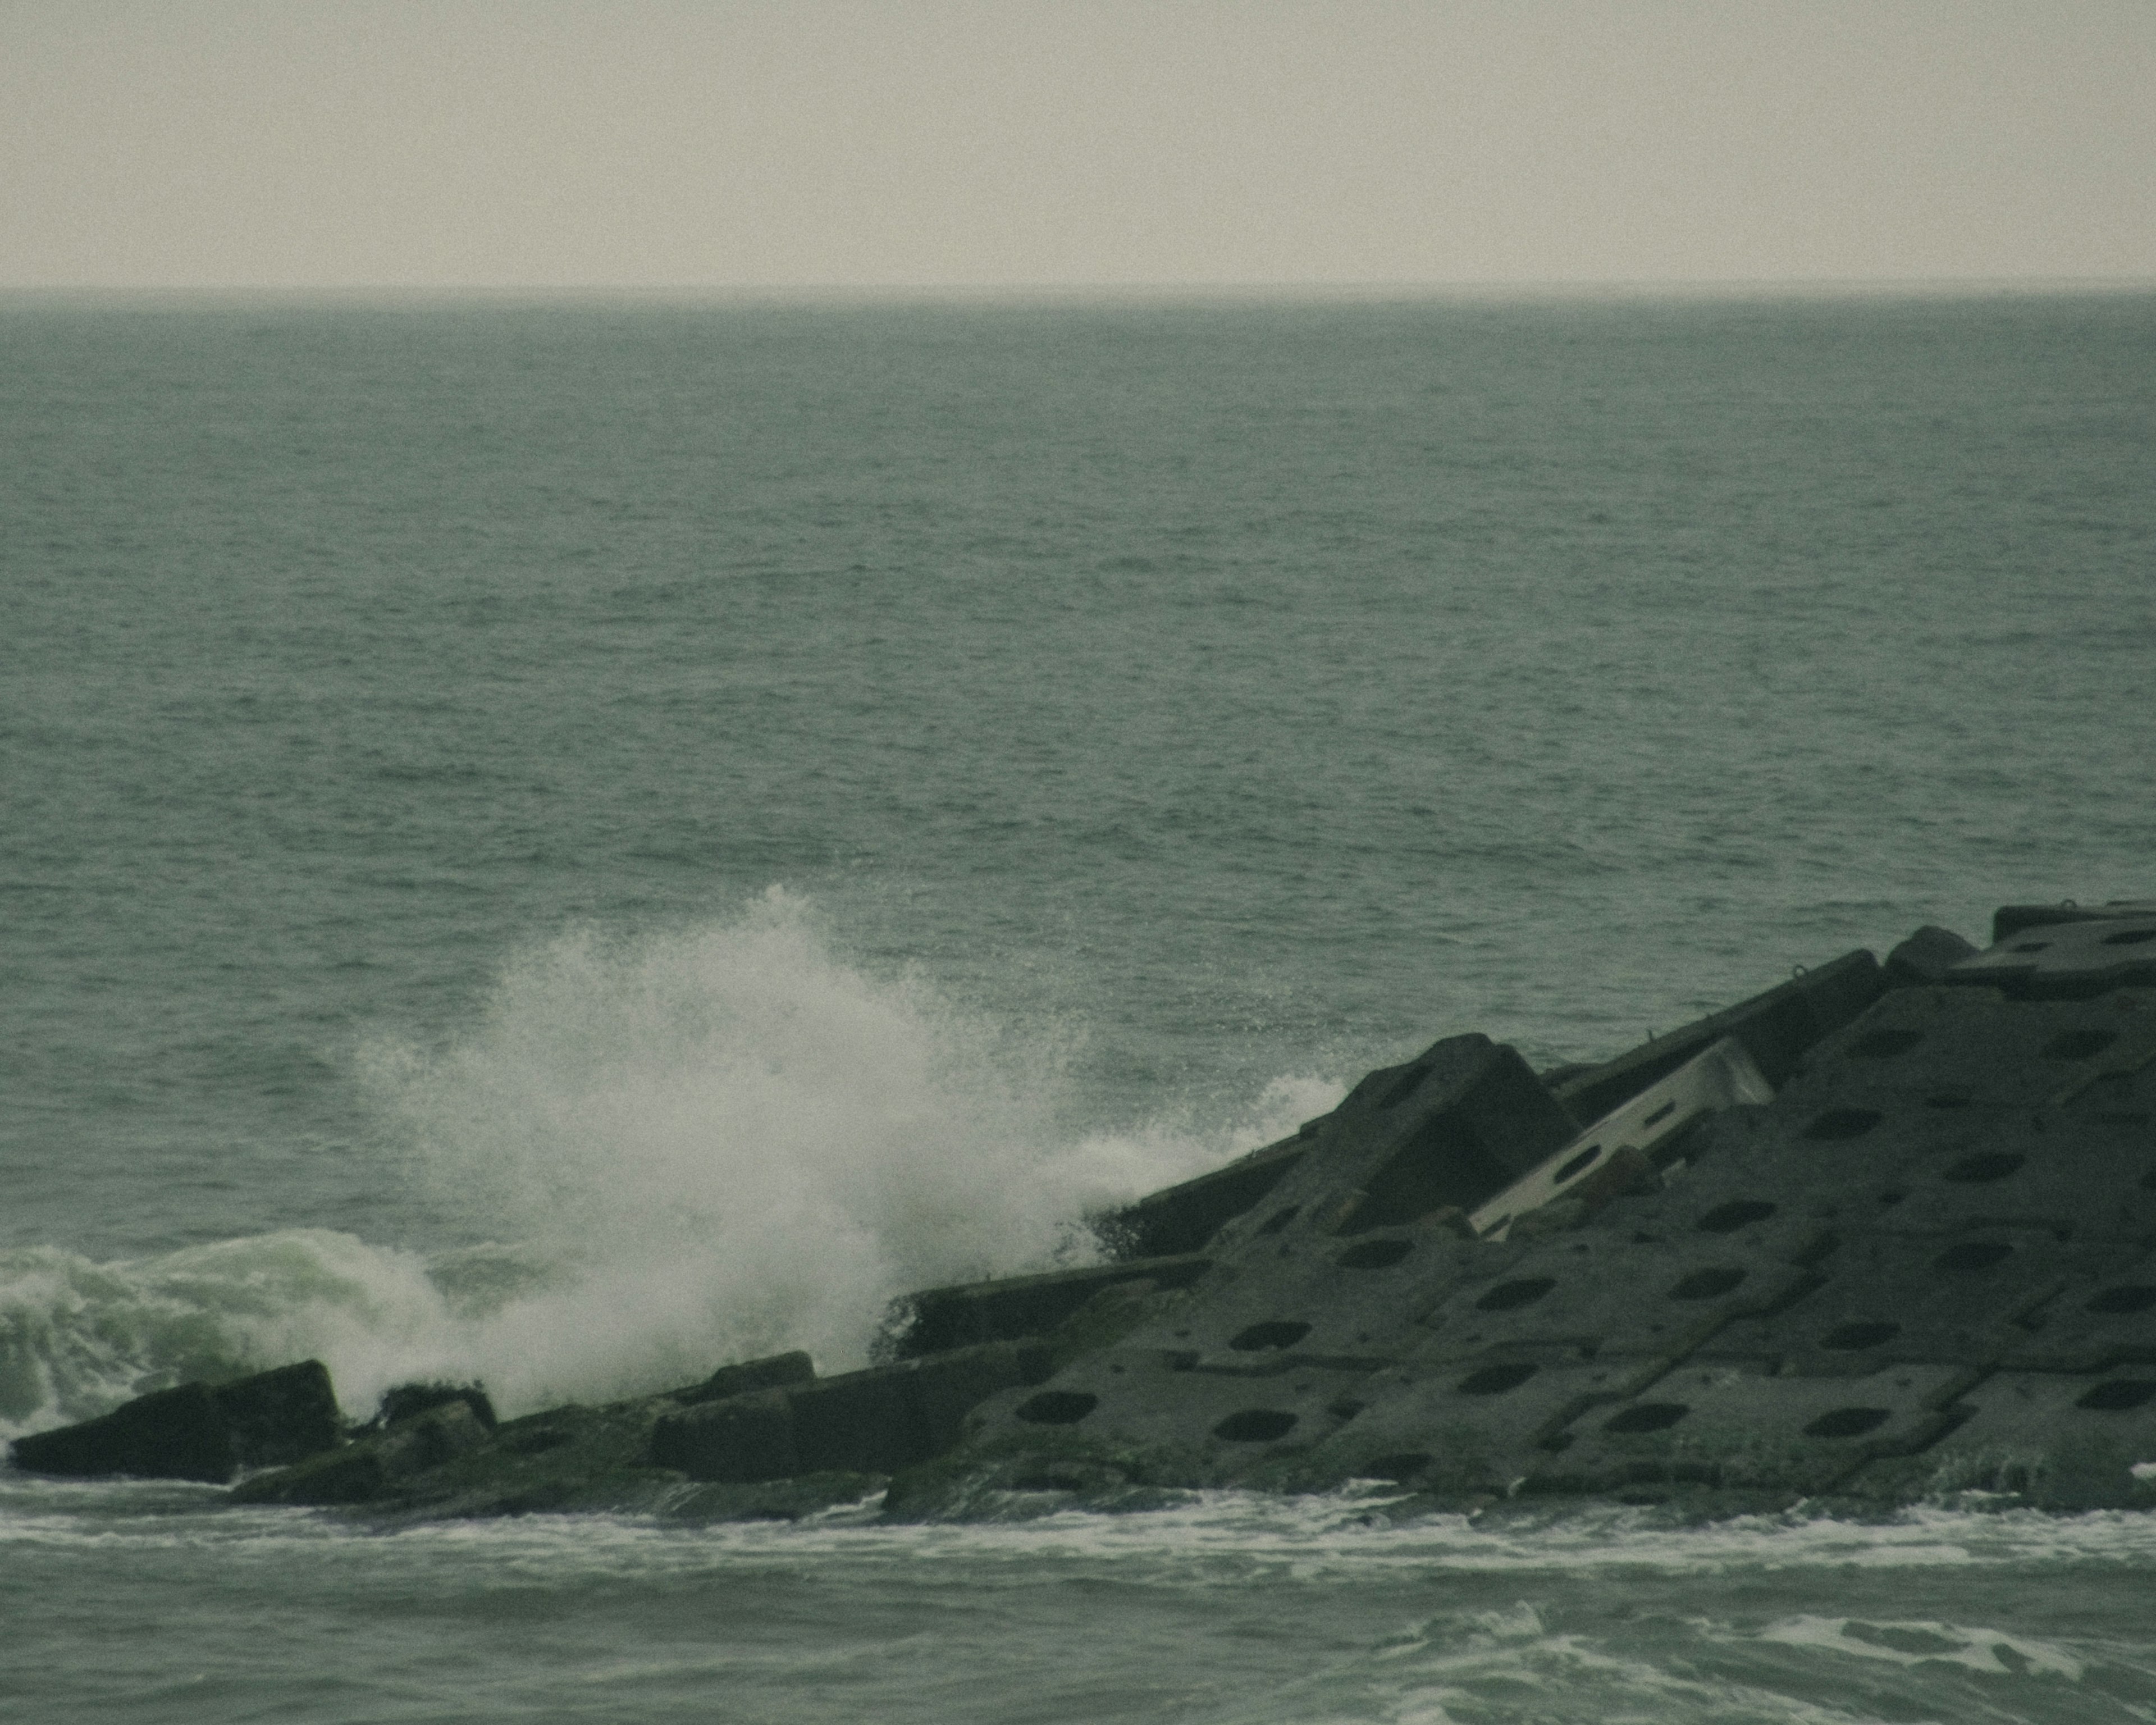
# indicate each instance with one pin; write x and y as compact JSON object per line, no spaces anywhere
{"x":568,"y":843}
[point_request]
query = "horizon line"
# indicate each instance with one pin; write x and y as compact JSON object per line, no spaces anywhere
{"x":1619,"y":288}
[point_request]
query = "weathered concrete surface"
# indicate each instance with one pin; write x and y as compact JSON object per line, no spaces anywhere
{"x":1928,"y":1264}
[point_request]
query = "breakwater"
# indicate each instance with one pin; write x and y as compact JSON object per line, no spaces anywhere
{"x":1882,"y":1233}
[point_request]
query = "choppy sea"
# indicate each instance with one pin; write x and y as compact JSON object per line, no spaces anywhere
{"x":568,"y":843}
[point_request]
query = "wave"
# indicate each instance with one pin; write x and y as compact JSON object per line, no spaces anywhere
{"x":686,"y":1148}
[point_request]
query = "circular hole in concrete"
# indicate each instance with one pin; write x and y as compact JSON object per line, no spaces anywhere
{"x":1269,"y":1335}
{"x":1847,"y":1422}
{"x":1057,"y":1407}
{"x":1399,"y":1469}
{"x":1990,"y":1165}
{"x":1647,"y":1416}
{"x":1496,"y":1380}
{"x":1849,"y":1337}
{"x":2130,"y":938}
{"x":1739,"y":1213}
{"x":2078,"y":1045}
{"x":1706,"y":1284}
{"x":2120,"y":1395}
{"x":1579,"y":1165}
{"x":1972,"y":1255}
{"x":1255,"y":1425}
{"x":1510,"y":1296}
{"x":2130,"y":1298}
{"x":1837,"y":1124}
{"x":1374,"y":1254}
{"x":1885,"y":1045}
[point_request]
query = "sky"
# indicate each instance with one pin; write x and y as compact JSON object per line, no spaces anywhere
{"x":430,"y":144}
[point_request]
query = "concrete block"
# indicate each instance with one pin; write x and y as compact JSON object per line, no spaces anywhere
{"x":1448,"y":1130}
{"x":2066,"y":960}
{"x":2104,"y":1317}
{"x":1736,"y":1428}
{"x":1199,"y":1427}
{"x":198,"y":1431}
{"x":740,"y":1440}
{"x":179,"y":1434}
{"x":1182,"y":1219}
{"x":1882,"y":1299}
{"x":1926,"y":956}
{"x":1601,"y":1294}
{"x":2086,"y":1179}
{"x":777,"y":1371}
{"x":427,"y":1440}
{"x":942,"y":1392}
{"x":1325,"y":1299}
{"x":1776,"y":1029}
{"x":2010,"y":920}
{"x":2057,"y":1442}
{"x":281,"y":1416}
{"x":1921,"y":1079}
{"x":1016,"y":1306}
{"x":1722,"y":1076}
{"x":859,"y":1422}
{"x":405,"y":1401}
{"x":1476,"y":1427}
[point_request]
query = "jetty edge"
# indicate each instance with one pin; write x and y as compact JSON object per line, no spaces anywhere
{"x":1880,"y":1235}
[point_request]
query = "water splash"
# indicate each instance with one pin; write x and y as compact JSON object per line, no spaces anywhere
{"x":691,"y":1148}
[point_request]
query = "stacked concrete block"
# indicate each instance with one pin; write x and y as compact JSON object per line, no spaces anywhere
{"x":1734,"y":1428}
{"x":2067,"y":960}
{"x":867,"y":1422}
{"x":2053,"y":1440}
{"x":1953,"y":1298}
{"x":1776,"y":1029}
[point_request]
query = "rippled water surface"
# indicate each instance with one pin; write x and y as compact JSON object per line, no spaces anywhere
{"x":571,"y":844}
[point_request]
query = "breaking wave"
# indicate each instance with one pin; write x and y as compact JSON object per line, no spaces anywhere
{"x":674,"y":1151}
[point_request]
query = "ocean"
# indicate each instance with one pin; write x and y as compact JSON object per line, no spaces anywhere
{"x":569,"y":843}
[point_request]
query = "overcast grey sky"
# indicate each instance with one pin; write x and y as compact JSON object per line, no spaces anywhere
{"x":639,"y":143}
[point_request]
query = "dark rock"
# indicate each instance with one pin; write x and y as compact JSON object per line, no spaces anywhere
{"x":198,"y":1431}
{"x":777,"y":1372}
{"x":179,"y":1434}
{"x":406,"y":1401}
{"x":739,"y":1441}
{"x":283,"y":1415}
